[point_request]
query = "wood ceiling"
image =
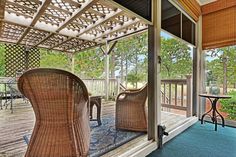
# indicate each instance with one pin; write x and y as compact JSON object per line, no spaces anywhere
{"x":64,"y":25}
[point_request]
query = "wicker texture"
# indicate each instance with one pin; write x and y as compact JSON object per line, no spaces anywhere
{"x":130,"y":110}
{"x":60,"y":103}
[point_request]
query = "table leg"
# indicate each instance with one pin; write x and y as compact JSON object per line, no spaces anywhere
{"x":99,"y":111}
{"x":214,"y":112}
{"x":206,"y":114}
{"x":91,"y":110}
{"x":222,"y":118}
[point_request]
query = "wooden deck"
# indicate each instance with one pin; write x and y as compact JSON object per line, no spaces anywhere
{"x":14,"y":126}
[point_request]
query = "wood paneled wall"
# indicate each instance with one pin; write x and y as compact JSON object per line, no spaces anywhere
{"x":192,"y":8}
{"x":219,"y":24}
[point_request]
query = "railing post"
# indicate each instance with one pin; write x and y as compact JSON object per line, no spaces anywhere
{"x":107,"y":72}
{"x":118,"y":81}
{"x":189,"y":96}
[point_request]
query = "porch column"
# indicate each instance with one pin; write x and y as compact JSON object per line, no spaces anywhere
{"x":201,"y":72}
{"x":107,"y":71}
{"x":154,"y":80}
{"x":197,"y":61}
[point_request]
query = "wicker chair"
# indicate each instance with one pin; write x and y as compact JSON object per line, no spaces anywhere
{"x":60,"y":102}
{"x":130,"y":110}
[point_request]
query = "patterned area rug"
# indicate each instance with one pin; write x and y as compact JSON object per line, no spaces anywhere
{"x":105,"y":138}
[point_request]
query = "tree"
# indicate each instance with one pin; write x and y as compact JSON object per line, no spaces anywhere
{"x":222,"y":63}
{"x":53,"y":59}
{"x":89,"y":63}
{"x":176,"y":58}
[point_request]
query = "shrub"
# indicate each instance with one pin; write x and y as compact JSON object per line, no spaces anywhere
{"x":229,"y":105}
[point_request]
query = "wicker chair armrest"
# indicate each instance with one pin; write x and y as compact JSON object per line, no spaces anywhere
{"x":131,"y":90}
{"x":127,"y":94}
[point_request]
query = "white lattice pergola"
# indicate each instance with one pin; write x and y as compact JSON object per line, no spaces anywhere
{"x":65,"y":25}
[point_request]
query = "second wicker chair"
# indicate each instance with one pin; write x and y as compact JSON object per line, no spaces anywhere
{"x":131,"y":110}
{"x":59,"y":100}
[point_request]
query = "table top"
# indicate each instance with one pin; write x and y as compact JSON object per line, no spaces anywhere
{"x":215,"y":96}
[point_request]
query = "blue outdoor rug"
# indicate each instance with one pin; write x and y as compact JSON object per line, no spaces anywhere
{"x":105,"y":138}
{"x":201,"y":141}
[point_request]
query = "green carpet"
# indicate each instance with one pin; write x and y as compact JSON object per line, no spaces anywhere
{"x":201,"y":141}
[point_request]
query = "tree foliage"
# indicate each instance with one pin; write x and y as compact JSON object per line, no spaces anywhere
{"x":52,"y":59}
{"x":222,"y":65}
{"x":89,"y":63}
{"x":176,"y":58}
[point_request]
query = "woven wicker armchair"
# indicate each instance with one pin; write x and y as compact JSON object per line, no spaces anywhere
{"x":130,"y":110}
{"x":60,"y":103}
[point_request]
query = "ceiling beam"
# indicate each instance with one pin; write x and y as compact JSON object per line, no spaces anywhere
{"x":40,"y":12}
{"x":127,"y":24}
{"x":2,"y":11}
{"x":107,"y":18}
{"x":96,"y":12}
{"x":77,"y":13}
{"x":2,"y":8}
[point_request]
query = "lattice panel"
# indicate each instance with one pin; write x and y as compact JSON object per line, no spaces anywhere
{"x":70,"y":44}
{"x":11,"y":32}
{"x":85,"y":45}
{"x":102,"y":9}
{"x":15,"y":59}
{"x":130,"y":29}
{"x":54,"y":40}
{"x":65,"y":25}
{"x":22,"y":7}
{"x":65,"y":5}
{"x":34,"y":36}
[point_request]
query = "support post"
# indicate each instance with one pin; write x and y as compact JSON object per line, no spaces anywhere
{"x":154,"y":80}
{"x":107,"y":72}
{"x":189,"y":96}
{"x":197,"y":64}
{"x":202,"y":88}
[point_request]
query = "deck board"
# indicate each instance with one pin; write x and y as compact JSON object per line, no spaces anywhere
{"x":21,"y":122}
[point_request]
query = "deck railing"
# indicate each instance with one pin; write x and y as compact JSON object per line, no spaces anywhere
{"x":97,"y":86}
{"x":177,"y":94}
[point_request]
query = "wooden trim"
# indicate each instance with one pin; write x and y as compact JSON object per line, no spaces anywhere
{"x":191,"y":7}
{"x":217,"y":5}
